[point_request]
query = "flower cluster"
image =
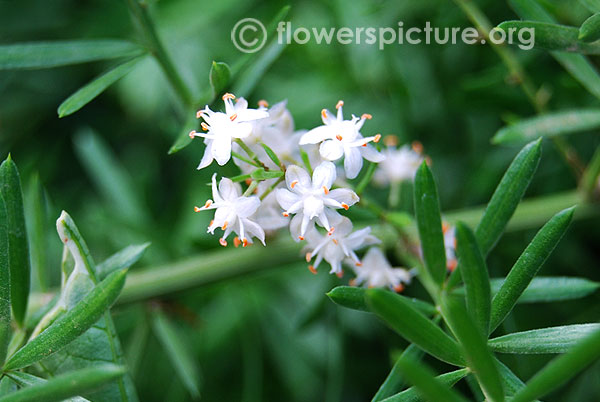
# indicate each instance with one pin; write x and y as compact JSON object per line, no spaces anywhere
{"x":282,"y":189}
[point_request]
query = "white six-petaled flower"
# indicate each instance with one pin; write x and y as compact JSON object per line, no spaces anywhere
{"x":336,"y":247}
{"x":339,"y":137}
{"x":222,"y":128}
{"x":233,"y":211}
{"x":376,"y":271}
{"x":400,"y":164}
{"x":309,"y":199}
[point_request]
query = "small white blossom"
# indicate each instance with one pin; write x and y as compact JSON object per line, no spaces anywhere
{"x":450,"y":246}
{"x":268,"y":215}
{"x":222,"y":128}
{"x":338,"y":246}
{"x":339,"y":137}
{"x":400,"y":164}
{"x":376,"y":271}
{"x":233,"y":211}
{"x":309,"y":199}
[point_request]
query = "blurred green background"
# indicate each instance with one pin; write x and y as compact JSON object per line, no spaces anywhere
{"x":273,"y":335}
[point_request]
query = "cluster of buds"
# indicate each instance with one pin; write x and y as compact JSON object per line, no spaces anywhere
{"x":283,"y":190}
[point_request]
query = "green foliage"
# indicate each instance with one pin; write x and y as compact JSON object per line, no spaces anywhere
{"x":5,"y":318}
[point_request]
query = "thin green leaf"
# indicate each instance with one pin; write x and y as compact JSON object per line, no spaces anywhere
{"x":67,"y":385}
{"x":399,"y":313}
{"x":475,"y":275}
{"x":561,"y":369}
{"x":27,"y":380}
{"x":262,"y":174}
{"x":547,"y":289}
{"x":430,"y":387}
{"x":353,"y":298}
{"x":121,"y":260}
{"x":92,"y":89}
{"x":5,"y":318}
{"x":512,"y":383}
{"x":576,"y":64}
{"x":71,"y":324}
{"x":61,"y":53}
{"x":18,"y":245}
{"x":546,"y":340}
{"x":395,"y":381}
{"x":37,"y":221}
{"x":271,"y":154}
{"x":589,"y":181}
{"x":549,"y":125}
{"x":474,"y":346}
{"x":306,"y":161}
{"x":429,"y":223}
{"x":7,"y":386}
{"x":592,"y":5}
{"x":178,"y":353}
{"x":589,"y":31}
{"x":249,"y":78}
{"x":219,"y":77}
{"x":528,"y":265}
{"x":507,"y":196}
{"x":412,"y":394}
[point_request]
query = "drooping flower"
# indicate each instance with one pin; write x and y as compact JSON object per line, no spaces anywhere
{"x":233,"y":211}
{"x":376,"y":271}
{"x":338,"y":246}
{"x":339,"y":137}
{"x":222,"y":128}
{"x":312,"y":199}
{"x":400,"y":164}
{"x":450,"y":246}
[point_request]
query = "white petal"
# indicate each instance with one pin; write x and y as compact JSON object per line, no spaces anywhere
{"x":251,"y":115}
{"x":352,"y":162}
{"x":254,"y":230}
{"x":297,"y":179}
{"x":240,"y":105}
{"x":228,"y":189}
{"x":323,"y":175}
{"x":331,"y":150}
{"x":295,"y":226}
{"x":246,"y":206}
{"x":221,"y":150}
{"x":344,"y":195}
{"x":371,"y":154}
{"x":313,"y":206}
{"x":286,"y":198}
{"x":216,"y":196}
{"x":207,"y":158}
{"x":317,"y":135}
{"x":240,"y":130}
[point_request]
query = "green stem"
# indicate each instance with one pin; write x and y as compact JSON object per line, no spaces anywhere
{"x":244,"y":159}
{"x":589,"y":182}
{"x":250,"y":190}
{"x":271,"y":188}
{"x":148,"y":30}
{"x":251,"y":154}
{"x":366,"y":179}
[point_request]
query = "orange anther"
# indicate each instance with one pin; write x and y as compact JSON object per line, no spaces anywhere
{"x":228,"y":96}
{"x":293,"y":184}
{"x":339,"y":137}
{"x":211,"y":222}
{"x":199,"y":114}
{"x":417,"y":147}
{"x":366,"y":116}
{"x":324,"y":113}
{"x":301,"y":237}
{"x":192,"y":134}
{"x":208,"y":203}
{"x":331,"y":231}
{"x":224,"y":225}
{"x":445,"y":227}
{"x":236,"y":241}
{"x":325,"y":190}
{"x":364,"y":145}
{"x":452,"y":265}
{"x":308,"y":257}
{"x":390,"y":140}
{"x":345,"y":206}
{"x":358,"y":264}
{"x":263,"y":103}
{"x":244,"y":242}
{"x":334,"y":241}
{"x":197,"y":209}
{"x":233,"y":117}
{"x":285,"y":214}
{"x":312,"y":269}
{"x":399,"y":288}
{"x":352,"y":282}
{"x":377,"y":138}
{"x":340,"y":274}
{"x":339,"y":104}
{"x":223,"y":242}
{"x":204,"y":126}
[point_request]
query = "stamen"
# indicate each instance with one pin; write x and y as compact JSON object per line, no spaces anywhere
{"x":199,"y":114}
{"x":390,"y":140}
{"x":366,"y":116}
{"x":345,"y":206}
{"x":223,"y":242}
{"x":334,"y":241}
{"x":340,"y":274}
{"x":301,"y":237}
{"x":358,"y":264}
{"x":236,"y":241}
{"x":208,"y":203}
{"x":285,"y":214}
{"x":233,"y":117}
{"x":399,"y":288}
{"x":293,"y":184}
{"x":377,"y":138}
{"x":244,"y":242}
{"x":444,"y":227}
{"x":339,"y":104}
{"x":364,"y":145}
{"x":331,"y":231}
{"x":417,"y":147}
{"x":204,"y":126}
{"x":325,"y":190}
{"x":263,"y":103}
{"x":211,"y":222}
{"x":312,"y":269}
{"x":197,"y":209}
{"x":324,"y":113}
{"x":192,"y":134}
{"x":339,"y":137}
{"x":452,"y":265}
{"x":224,"y":225}
{"x":352,"y":282}
{"x":228,"y":96}
{"x":308,"y":257}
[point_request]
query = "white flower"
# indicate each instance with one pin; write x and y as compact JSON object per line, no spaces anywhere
{"x":338,"y":246}
{"x":450,"y":246}
{"x":232,"y":212}
{"x":222,"y":128}
{"x":400,"y":164}
{"x":341,"y":137}
{"x":268,"y":215}
{"x":376,"y":271}
{"x":312,"y":199}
